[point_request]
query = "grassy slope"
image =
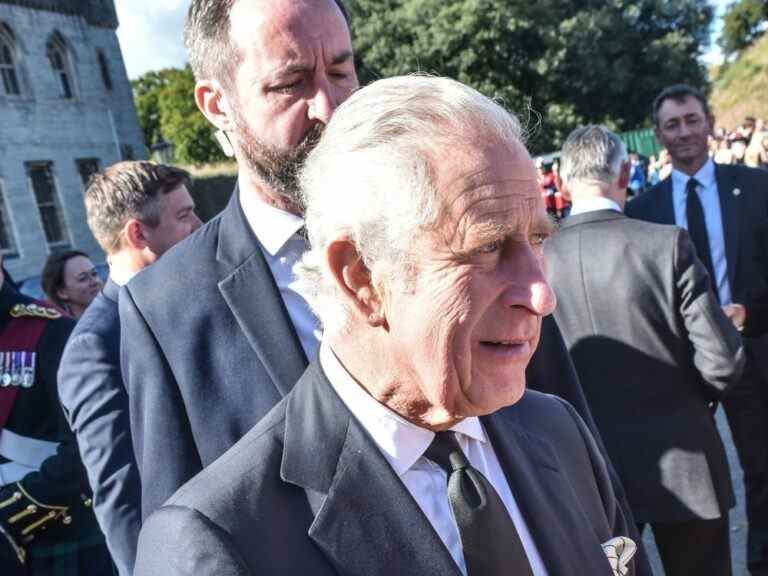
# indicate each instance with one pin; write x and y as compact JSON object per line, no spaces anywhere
{"x":741,"y":89}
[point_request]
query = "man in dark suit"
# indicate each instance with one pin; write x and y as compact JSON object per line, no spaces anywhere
{"x":652,"y":349}
{"x":721,"y":207}
{"x":217,"y":335}
{"x":137,"y":211}
{"x":396,"y":453}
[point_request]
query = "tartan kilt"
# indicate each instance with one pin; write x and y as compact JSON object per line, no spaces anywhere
{"x":88,"y":556}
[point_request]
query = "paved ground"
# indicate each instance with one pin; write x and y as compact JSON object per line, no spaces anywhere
{"x":738,"y":519}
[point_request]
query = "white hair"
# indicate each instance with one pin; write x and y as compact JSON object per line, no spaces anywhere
{"x":592,"y":154}
{"x":371,"y":179}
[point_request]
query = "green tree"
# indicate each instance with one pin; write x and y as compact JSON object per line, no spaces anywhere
{"x":146,"y":90}
{"x":557,"y":64}
{"x":742,"y":25}
{"x":167,"y":112}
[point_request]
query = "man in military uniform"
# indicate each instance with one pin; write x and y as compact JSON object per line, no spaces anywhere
{"x":47,"y":525}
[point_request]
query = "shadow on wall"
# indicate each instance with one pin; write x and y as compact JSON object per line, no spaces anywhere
{"x":211,"y":194}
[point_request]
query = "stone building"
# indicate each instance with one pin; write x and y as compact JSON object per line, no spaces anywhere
{"x":66,"y":110}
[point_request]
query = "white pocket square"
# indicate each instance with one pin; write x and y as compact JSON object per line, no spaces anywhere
{"x":619,"y":552}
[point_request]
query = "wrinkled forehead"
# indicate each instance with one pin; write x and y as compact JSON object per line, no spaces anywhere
{"x":492,"y":187}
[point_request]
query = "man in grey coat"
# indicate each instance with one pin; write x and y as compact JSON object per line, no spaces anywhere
{"x":653,"y":351}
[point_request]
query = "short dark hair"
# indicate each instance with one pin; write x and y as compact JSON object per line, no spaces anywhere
{"x":53,"y":274}
{"x":128,"y":190}
{"x":206,"y":36}
{"x":678,"y":93}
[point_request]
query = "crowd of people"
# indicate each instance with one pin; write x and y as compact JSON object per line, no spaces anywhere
{"x":381,"y":357}
{"x":747,"y":145}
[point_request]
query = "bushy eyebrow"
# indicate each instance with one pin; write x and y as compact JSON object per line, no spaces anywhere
{"x":304,"y":67}
{"x":525,"y":217}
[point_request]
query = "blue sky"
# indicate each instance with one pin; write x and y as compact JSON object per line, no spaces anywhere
{"x":151,"y":34}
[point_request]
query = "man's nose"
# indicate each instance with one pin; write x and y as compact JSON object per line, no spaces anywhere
{"x":323,"y":104}
{"x":528,"y":286}
{"x":196,"y":222}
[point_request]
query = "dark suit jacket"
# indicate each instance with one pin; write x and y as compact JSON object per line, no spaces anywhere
{"x":652,"y":348}
{"x":96,"y":405}
{"x":308,"y":492}
{"x":744,"y":204}
{"x":757,"y":305}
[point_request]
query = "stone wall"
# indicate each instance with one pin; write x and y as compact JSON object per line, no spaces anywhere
{"x":39,"y":125}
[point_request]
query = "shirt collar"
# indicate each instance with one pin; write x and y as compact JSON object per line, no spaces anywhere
{"x":705,"y":176}
{"x":401,"y":441}
{"x":272,"y":226}
{"x":593,"y":204}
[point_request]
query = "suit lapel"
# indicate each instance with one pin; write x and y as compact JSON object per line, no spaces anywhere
{"x":253,"y":297}
{"x":730,"y":207}
{"x":355,"y":494}
{"x":666,"y":205}
{"x":541,"y":492}
{"x":111,"y":291}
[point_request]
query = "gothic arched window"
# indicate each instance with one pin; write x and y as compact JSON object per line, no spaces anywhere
{"x":59,"y":58}
{"x":8,"y":65}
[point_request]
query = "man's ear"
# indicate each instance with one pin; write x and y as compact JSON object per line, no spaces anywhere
{"x":353,"y":280}
{"x":134,"y":234}
{"x":213,"y":103}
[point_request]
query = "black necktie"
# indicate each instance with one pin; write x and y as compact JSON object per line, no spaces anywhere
{"x":490,"y":541}
{"x":697,"y":229}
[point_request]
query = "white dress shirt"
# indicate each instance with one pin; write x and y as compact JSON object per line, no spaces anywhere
{"x":277,"y":230}
{"x":582,"y":206}
{"x":713,"y":220}
{"x":403,"y":445}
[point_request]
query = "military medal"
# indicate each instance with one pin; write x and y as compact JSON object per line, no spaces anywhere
{"x":6,"y":370}
{"x":28,"y":370}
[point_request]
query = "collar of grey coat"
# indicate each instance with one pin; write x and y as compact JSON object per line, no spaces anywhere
{"x":593,"y":216}
{"x":111,"y":290}
{"x":252,"y":295}
{"x":366,"y":521}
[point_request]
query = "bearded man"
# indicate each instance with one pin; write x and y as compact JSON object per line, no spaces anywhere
{"x":213,"y":337}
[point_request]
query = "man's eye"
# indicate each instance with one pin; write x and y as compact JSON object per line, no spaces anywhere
{"x":286,"y":88}
{"x":491,"y":247}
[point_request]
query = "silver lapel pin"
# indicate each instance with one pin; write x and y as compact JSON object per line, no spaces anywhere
{"x":736,"y":192}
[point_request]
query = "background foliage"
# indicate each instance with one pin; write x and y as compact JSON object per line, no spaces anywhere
{"x":556,"y":63}
{"x":569,"y":61}
{"x":167,"y":112}
{"x":743,"y":23}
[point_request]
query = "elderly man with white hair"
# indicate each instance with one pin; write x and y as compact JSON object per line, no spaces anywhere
{"x":411,"y":446}
{"x":652,"y":349}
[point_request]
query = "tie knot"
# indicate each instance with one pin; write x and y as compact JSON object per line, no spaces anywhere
{"x":692,"y":186}
{"x":446,"y":453}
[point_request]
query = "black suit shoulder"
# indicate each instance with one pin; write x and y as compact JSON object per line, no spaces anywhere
{"x":239,"y":469}
{"x":646,"y":205}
